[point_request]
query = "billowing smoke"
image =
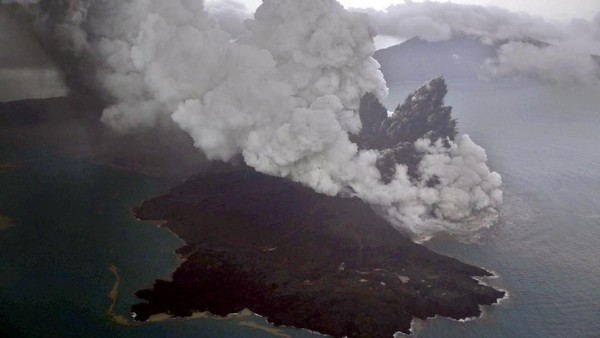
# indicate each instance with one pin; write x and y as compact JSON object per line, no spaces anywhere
{"x":284,"y":97}
{"x":436,"y":21}
{"x":549,"y":64}
{"x":567,"y":61}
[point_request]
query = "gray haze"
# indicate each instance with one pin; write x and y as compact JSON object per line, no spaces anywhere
{"x":25,"y":69}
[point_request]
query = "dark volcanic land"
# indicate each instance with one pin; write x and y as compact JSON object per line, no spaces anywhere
{"x":328,"y":264}
{"x":302,"y":259}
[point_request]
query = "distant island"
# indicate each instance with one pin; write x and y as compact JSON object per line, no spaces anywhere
{"x":328,"y":264}
{"x":460,"y":58}
{"x":418,"y":60}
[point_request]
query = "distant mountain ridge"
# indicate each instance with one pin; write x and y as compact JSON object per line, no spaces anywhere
{"x":420,"y":60}
{"x":459,"y":58}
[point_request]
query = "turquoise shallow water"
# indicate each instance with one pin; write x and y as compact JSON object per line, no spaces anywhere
{"x":73,"y":221}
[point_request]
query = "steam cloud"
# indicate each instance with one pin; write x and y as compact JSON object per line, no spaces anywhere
{"x":550,"y":64}
{"x":284,"y":97}
{"x":568,"y":60}
{"x":437,"y":21}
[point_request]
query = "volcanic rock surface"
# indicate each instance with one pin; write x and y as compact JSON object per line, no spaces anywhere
{"x":422,"y":115}
{"x":302,"y":259}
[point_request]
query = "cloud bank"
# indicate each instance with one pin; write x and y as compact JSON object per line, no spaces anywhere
{"x":549,"y":64}
{"x":436,"y":21}
{"x":567,"y":61}
{"x":284,"y":97}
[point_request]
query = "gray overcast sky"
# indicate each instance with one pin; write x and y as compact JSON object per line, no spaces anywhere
{"x":553,"y":9}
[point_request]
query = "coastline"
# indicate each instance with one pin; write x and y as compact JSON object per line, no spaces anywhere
{"x":162,"y":317}
{"x":416,"y":326}
{"x":113,"y":295}
{"x":419,"y":324}
{"x":161,"y":224}
{"x":193,"y":252}
{"x":485,"y":282}
{"x":190,"y":243}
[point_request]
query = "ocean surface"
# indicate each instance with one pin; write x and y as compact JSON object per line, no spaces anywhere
{"x":545,"y":142}
{"x":73,"y":222}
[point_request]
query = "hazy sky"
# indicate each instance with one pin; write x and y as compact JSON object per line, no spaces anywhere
{"x":555,"y":9}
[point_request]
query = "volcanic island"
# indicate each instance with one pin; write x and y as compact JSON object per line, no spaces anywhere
{"x":302,"y":259}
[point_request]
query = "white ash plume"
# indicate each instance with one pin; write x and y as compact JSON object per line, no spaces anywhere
{"x":530,"y":47}
{"x":284,"y":96}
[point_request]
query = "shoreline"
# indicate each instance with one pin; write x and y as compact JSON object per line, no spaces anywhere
{"x":113,"y":295}
{"x":163,"y":317}
{"x":163,"y":224}
{"x":494,"y":276}
{"x":419,"y":324}
{"x":318,"y":273}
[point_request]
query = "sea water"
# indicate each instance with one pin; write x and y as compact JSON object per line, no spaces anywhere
{"x":545,"y":142}
{"x":73,"y":222}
